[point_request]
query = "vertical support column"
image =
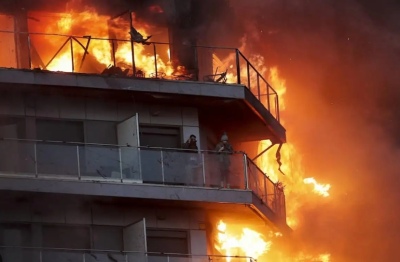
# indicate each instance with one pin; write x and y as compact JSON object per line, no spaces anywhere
{"x":132,"y":47}
{"x":21,"y":38}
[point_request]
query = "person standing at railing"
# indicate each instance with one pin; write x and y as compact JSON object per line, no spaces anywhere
{"x":225,"y":149}
{"x":192,"y":172}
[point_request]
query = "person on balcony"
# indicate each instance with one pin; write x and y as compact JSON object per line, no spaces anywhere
{"x":225,"y":149}
{"x":191,"y":143}
{"x":192,"y":162}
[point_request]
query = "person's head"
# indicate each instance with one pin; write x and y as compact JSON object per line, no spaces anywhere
{"x":192,"y":138}
{"x":224,"y":138}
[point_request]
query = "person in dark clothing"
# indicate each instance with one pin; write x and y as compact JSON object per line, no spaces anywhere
{"x":191,"y":143}
{"x":192,"y":165}
{"x":225,"y":149}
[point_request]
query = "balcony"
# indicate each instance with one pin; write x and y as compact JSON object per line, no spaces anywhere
{"x":22,"y":254}
{"x":136,"y":168}
{"x":75,"y":54}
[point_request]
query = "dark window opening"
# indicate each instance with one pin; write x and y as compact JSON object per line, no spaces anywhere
{"x":160,"y":136}
{"x":59,"y":130}
{"x":72,"y":237}
{"x":167,"y":241}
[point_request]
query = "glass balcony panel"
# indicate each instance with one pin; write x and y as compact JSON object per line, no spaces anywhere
{"x":135,"y":257}
{"x":103,"y":256}
{"x":61,"y":256}
{"x":271,"y":197}
{"x":182,"y":168}
{"x":20,"y":255}
{"x":100,"y":162}
{"x":20,"y":157}
{"x":150,"y":160}
{"x":180,"y":259}
{"x":130,"y":164}
{"x":224,"y":170}
{"x":256,"y":181}
{"x":57,"y":159}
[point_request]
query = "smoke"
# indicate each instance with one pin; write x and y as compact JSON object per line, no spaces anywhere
{"x":340,"y":62}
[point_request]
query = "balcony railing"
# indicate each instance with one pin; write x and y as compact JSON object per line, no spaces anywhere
{"x":30,"y":254}
{"x":86,"y":54}
{"x":124,"y":164}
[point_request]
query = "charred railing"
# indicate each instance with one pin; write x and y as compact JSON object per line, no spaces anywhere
{"x":35,"y":254}
{"x":118,"y":57}
{"x":125,"y":164}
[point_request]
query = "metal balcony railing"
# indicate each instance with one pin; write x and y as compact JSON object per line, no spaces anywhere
{"x":124,"y":164}
{"x":30,"y":254}
{"x":87,"y":54}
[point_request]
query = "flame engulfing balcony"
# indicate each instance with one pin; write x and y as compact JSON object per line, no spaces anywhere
{"x":140,"y":165}
{"x":125,"y":58}
{"x":79,"y":255}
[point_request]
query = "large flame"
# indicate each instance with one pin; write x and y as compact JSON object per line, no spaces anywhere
{"x":89,"y":24}
{"x":246,"y":242}
{"x":290,"y":173}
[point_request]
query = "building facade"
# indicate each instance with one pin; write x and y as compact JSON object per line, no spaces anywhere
{"x":92,"y":166}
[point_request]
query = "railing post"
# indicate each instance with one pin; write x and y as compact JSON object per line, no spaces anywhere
{"x":78,"y":162}
{"x":83,"y":257}
{"x":120,"y":163}
{"x":203,"y":169}
{"x":29,"y":52}
{"x":248,"y":75}
{"x":35,"y":156}
{"x":238,"y":66}
{"x":268,"y":102}
{"x":246,"y":174}
{"x":277,"y":108}
{"x":72,"y":55}
{"x":155,"y":59}
{"x":162,"y":166}
{"x":265,"y":190}
{"x":40,"y":256}
{"x":258,"y":87}
{"x":113,"y":50}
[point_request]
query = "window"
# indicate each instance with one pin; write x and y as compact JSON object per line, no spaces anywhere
{"x":107,"y":238}
{"x":73,"y":237}
{"x":15,"y":235}
{"x":12,"y":127}
{"x":100,"y":132}
{"x":167,"y":241}
{"x":59,"y":130}
{"x":160,"y":136}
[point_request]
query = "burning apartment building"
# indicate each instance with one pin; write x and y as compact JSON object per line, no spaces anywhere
{"x":97,"y":100}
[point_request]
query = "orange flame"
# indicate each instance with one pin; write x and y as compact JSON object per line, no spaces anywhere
{"x":98,"y":27}
{"x":320,"y":189}
{"x":247,"y":243}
